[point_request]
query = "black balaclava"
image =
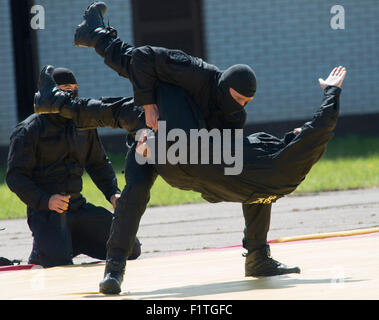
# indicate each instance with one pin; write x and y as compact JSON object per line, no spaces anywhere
{"x":65,"y":76}
{"x":241,"y":78}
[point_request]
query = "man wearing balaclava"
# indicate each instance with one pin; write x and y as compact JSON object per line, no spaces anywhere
{"x":220,"y":96}
{"x":46,"y":161}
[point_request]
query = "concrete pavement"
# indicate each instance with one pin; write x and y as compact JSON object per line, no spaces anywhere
{"x":198,"y":226}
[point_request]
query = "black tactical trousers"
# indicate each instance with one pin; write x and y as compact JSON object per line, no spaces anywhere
{"x":130,"y":206}
{"x":57,"y":238}
{"x":257,"y":224}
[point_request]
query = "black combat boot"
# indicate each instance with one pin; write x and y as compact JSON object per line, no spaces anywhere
{"x":92,"y":28}
{"x":113,"y":276}
{"x":260,"y":264}
{"x":49,"y":98}
{"x":34,"y":258}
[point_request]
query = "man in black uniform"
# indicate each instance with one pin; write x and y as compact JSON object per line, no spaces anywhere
{"x":220,"y":97}
{"x":273,"y":167}
{"x":47,"y":157}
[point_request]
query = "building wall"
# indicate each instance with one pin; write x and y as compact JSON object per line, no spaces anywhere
{"x":290,"y":44}
{"x":56,"y":47}
{"x":8,"y":100}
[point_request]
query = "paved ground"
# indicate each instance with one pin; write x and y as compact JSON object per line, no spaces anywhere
{"x":198,"y":226}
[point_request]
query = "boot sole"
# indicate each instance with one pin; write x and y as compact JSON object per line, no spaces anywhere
{"x":101,"y":8}
{"x":110,"y":286}
{"x":257,"y":275}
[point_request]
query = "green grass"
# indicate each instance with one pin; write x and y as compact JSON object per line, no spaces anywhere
{"x":349,"y":163}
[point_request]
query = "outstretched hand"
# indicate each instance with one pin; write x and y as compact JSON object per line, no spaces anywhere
{"x":335,"y":78}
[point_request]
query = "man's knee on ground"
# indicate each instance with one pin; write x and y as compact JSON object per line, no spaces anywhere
{"x":51,"y":257}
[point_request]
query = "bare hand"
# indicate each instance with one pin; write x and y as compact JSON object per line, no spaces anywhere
{"x":114,"y":199}
{"x":151,"y":116}
{"x":335,"y":78}
{"x":59,"y":203}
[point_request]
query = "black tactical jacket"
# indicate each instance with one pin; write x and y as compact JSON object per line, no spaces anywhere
{"x":272,"y":166}
{"x":147,"y":66}
{"x":48,"y":155}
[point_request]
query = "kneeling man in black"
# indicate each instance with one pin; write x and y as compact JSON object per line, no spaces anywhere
{"x":46,"y":161}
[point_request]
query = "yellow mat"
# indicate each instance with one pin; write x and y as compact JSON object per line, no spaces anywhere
{"x":332,"y":268}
